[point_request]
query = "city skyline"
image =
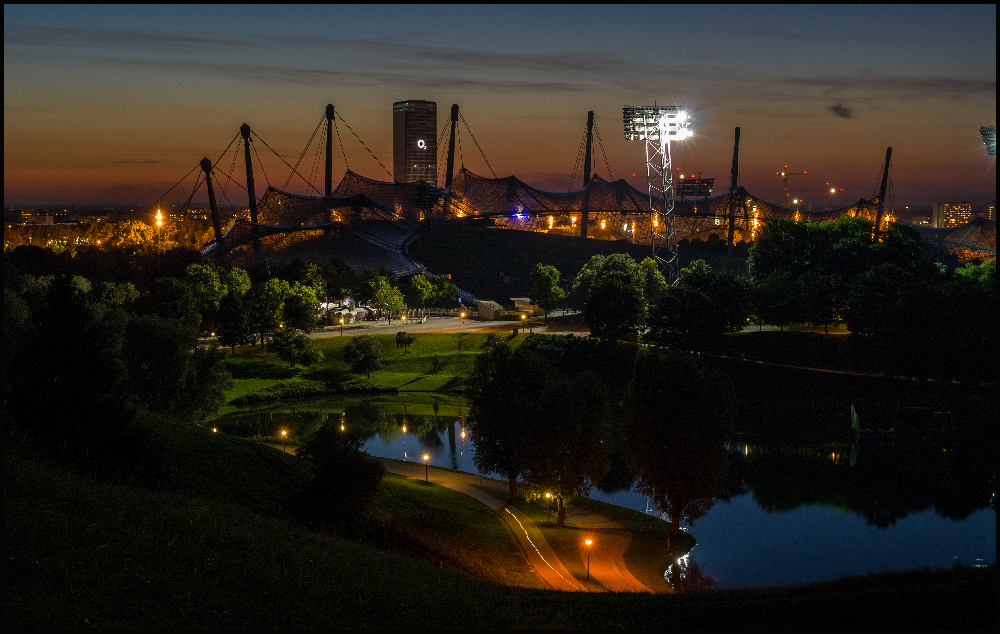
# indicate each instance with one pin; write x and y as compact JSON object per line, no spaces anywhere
{"x":115,"y":104}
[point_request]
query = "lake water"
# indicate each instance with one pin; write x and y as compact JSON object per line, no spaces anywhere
{"x":786,"y":516}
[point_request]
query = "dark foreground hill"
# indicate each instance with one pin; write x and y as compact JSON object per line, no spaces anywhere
{"x":206,"y":546}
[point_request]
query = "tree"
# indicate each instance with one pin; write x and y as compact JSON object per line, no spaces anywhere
{"x":208,"y":289}
{"x":701,"y":307}
{"x":237,"y":282}
{"x":615,"y":307}
{"x":266,"y":302}
{"x":445,"y":293}
{"x":569,"y":446}
{"x":232,"y":323}
{"x":364,"y":355}
{"x":301,"y":307}
{"x":123,"y":294}
{"x":404,"y":341}
{"x":653,"y":282}
{"x":347,"y":478}
{"x":420,"y":292}
{"x":502,"y":390}
{"x":580,"y":292}
{"x":171,"y":299}
{"x":545,"y":290}
{"x":293,"y":347}
{"x":387,"y":298}
{"x":777,"y":299}
{"x":677,"y":417}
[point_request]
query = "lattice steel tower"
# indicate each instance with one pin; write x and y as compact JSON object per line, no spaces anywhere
{"x":658,"y":126}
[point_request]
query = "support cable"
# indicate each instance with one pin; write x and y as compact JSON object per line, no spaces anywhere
{"x":197,"y":184}
{"x":442,"y":150}
{"x":483,"y":154}
{"x":341,"y":143}
{"x":261,"y":163}
{"x":304,"y":150}
{"x":601,"y":143}
{"x":282,"y":160}
{"x":232,"y":166}
{"x":231,"y":179}
{"x":580,"y":152}
{"x":176,"y":184}
{"x":365,"y":146}
{"x":314,"y":172}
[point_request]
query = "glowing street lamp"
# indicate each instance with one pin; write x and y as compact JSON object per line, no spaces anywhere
{"x":426,"y":458}
{"x":341,"y":326}
{"x":284,"y":440}
{"x":588,"y":542}
{"x":548,"y":507}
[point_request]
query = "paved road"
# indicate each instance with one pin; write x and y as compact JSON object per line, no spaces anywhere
{"x":607,"y":553}
{"x":540,"y":555}
{"x":450,"y":324}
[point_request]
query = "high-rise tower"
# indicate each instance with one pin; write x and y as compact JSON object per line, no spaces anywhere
{"x":414,"y":141}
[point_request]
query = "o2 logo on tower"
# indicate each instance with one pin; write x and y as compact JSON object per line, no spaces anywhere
{"x":422,"y":144}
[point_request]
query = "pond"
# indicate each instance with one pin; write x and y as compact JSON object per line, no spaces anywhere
{"x":783,"y":515}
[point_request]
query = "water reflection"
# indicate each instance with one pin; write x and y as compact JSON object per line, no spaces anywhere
{"x":767,"y":513}
{"x":685,"y":574}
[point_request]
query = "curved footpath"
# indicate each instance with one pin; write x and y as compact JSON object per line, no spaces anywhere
{"x":607,"y":565}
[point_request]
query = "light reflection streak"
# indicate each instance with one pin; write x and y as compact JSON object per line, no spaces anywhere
{"x":536,"y":547}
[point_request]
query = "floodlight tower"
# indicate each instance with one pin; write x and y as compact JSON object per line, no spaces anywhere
{"x":658,"y":126}
{"x":989,"y":135}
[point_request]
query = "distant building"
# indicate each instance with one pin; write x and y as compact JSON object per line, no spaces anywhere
{"x":990,"y":211}
{"x":950,"y":214}
{"x":414,"y":141}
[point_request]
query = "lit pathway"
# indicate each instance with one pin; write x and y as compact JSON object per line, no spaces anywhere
{"x":607,"y":554}
{"x":538,"y":552}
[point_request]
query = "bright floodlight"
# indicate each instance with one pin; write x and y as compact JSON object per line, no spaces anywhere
{"x":990,"y":139}
{"x":655,"y":123}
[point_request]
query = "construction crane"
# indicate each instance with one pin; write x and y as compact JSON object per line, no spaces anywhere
{"x":784,"y":174}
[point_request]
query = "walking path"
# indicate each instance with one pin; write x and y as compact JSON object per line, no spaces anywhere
{"x":538,"y":552}
{"x":611,"y":540}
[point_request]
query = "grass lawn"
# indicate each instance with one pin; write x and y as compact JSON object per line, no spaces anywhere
{"x":434,"y":364}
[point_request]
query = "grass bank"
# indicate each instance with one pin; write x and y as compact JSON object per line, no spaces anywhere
{"x":84,"y":553}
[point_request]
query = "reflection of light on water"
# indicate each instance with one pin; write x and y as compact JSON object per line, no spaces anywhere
{"x":677,"y":571}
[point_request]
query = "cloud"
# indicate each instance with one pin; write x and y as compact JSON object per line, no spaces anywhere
{"x":798,"y":37}
{"x":841,"y":111}
{"x":107,"y":40}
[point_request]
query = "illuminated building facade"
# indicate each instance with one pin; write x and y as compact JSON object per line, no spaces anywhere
{"x":950,"y":214}
{"x":414,"y":141}
{"x":990,"y":211}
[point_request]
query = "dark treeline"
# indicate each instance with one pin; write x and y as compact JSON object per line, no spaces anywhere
{"x":907,"y":316}
{"x":102,"y":354}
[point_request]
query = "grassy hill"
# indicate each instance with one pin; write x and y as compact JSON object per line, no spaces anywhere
{"x":84,"y":553}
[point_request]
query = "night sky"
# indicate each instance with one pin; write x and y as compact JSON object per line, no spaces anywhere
{"x":115,"y":104}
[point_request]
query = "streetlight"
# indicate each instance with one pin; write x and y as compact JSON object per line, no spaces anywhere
{"x":426,"y":458}
{"x":341,"y":326}
{"x":548,"y":506}
{"x":284,"y":438}
{"x":589,"y":542}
